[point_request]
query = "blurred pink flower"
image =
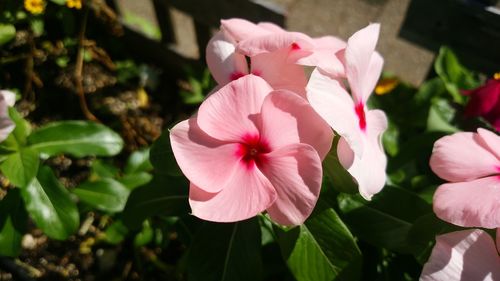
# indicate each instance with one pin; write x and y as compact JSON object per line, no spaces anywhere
{"x":7,"y":99}
{"x":485,"y":102}
{"x":251,"y":149}
{"x":463,"y":255}
{"x":359,"y":150}
{"x":471,"y":162}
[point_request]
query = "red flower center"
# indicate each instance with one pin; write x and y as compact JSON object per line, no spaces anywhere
{"x":251,"y":150}
{"x":360,"y":111}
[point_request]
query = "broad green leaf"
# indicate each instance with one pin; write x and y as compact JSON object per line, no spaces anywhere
{"x":322,"y":249}
{"x":116,"y":232}
{"x":104,"y":194}
{"x":103,"y":169}
{"x":78,"y":138}
{"x":440,"y":116}
{"x":21,"y":167}
{"x":137,"y":162}
{"x":132,"y":181}
{"x":13,"y":221}
{"x":50,"y":206}
{"x":162,"y":157}
{"x":7,"y":33}
{"x":226,"y":252}
{"x":342,"y":180}
{"x":163,"y":195}
{"x":386,"y":220}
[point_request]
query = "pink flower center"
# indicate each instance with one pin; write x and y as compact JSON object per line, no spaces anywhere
{"x":236,"y":75}
{"x":295,"y":47}
{"x":360,"y":111}
{"x":251,"y":150}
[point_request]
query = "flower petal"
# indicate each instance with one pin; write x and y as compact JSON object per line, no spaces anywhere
{"x":9,"y":97}
{"x":205,"y":161}
{"x":296,"y":173}
{"x":363,"y":65}
{"x":232,"y":112}
{"x":325,"y":56}
{"x":288,"y":119}
{"x":470,"y":204}
{"x":462,"y":157}
{"x":463,"y":255}
{"x":247,"y":193}
{"x":293,"y":41}
{"x":271,"y":27}
{"x":222,"y":60}
{"x":334,"y":104}
{"x":240,"y":29}
{"x":278,"y":72}
{"x":491,"y":141}
{"x":369,"y":168}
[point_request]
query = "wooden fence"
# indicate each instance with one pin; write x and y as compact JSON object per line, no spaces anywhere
{"x":206,"y":15}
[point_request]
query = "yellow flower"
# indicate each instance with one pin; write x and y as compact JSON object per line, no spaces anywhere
{"x":386,"y":85}
{"x":496,"y":76}
{"x":34,"y":6}
{"x":74,"y":4}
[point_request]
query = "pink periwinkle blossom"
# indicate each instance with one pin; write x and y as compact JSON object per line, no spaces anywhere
{"x":471,"y":164}
{"x":462,"y":256}
{"x":7,"y":99}
{"x":359,"y":150}
{"x":485,"y":102}
{"x":275,"y":54}
{"x":250,"y":149}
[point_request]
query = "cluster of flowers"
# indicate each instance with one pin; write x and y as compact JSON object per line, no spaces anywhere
{"x":471,"y":164}
{"x":258,"y":140}
{"x":37,"y":7}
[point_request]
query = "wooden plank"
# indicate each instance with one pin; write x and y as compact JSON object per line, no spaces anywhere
{"x":164,"y":21}
{"x":209,"y":12}
{"x":468,"y":28}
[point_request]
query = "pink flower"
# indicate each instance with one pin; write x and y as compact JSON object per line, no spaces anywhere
{"x":463,"y":255}
{"x":485,"y":102}
{"x":359,"y":150}
{"x":272,"y":52}
{"x":250,"y":149}
{"x":7,"y":99}
{"x":471,"y":162}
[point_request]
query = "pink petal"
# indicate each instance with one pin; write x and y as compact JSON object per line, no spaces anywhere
{"x":278,"y":72}
{"x":491,"y":141}
{"x":325,"y":56}
{"x":295,"y":172}
{"x":368,"y":169}
{"x":462,"y":157}
{"x":222,"y":60}
{"x":246,"y":193}
{"x":293,"y":41}
{"x":232,"y":112}
{"x":363,"y":65}
{"x":271,"y":27}
{"x":463,"y":255}
{"x":9,"y":97}
{"x":240,"y":29}
{"x":335,"y":105}
{"x":470,"y":204}
{"x":289,"y":119}
{"x":205,"y":161}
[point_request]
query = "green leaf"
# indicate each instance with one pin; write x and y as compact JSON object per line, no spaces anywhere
{"x":59,"y":2}
{"x":78,"y":138}
{"x":132,"y":181}
{"x":105,"y":194}
{"x":7,"y":33}
{"x":138,"y":161}
{"x":37,"y":26}
{"x":163,"y":195}
{"x":50,"y":206}
{"x":440,"y":116}
{"x":144,"y":236}
{"x":322,"y":249}
{"x":386,"y":220}
{"x":162,"y":157}
{"x":13,"y":221}
{"x":103,"y":169}
{"x":22,"y":129}
{"x":342,"y":180}
{"x":116,"y":232}
{"x":454,"y":75}
{"x":21,"y":167}
{"x":226,"y":252}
